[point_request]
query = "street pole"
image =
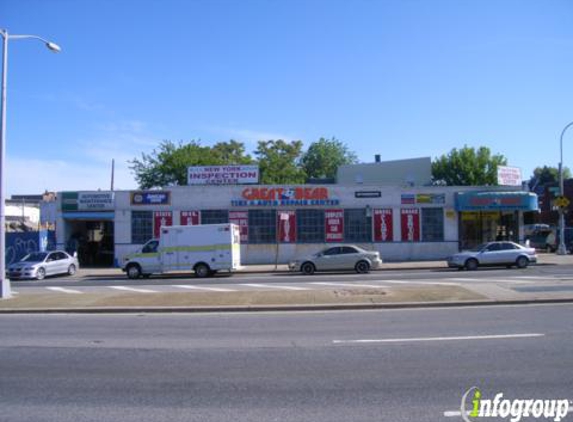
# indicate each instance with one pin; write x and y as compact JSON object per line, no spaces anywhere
{"x":5,"y":291}
{"x":562,"y":249}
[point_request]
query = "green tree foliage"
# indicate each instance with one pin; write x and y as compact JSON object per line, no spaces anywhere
{"x":467,"y":167}
{"x":547,"y":175}
{"x":323,"y":158}
{"x":167,"y":165}
{"x":278,"y":162}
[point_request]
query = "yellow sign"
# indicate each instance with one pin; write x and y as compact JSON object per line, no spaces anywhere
{"x":561,"y":202}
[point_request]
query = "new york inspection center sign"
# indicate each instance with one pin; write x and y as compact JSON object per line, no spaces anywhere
{"x":223,"y":175}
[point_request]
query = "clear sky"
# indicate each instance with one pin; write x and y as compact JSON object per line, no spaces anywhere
{"x":402,"y":79}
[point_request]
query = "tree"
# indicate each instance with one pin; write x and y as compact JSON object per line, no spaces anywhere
{"x":467,"y":167}
{"x":323,"y":158}
{"x":168,"y":164}
{"x":547,"y":175}
{"x":278,"y":162}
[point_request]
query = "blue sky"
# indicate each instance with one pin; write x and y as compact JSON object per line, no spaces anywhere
{"x":398,"y":78}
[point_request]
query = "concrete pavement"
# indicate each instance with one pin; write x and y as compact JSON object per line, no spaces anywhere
{"x":336,"y":297}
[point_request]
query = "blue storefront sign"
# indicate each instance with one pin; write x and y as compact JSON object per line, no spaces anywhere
{"x":496,"y":201}
{"x":151,"y":198}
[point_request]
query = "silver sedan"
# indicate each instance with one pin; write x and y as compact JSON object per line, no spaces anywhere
{"x":344,"y":257}
{"x":38,"y":265}
{"x":494,"y":253}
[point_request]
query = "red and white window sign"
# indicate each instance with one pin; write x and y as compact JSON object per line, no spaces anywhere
{"x":190,"y":218}
{"x":241,"y":219}
{"x":334,"y":221}
{"x":383,"y":228}
{"x":161,"y":218}
{"x":286,"y":221}
{"x":410,"y":224}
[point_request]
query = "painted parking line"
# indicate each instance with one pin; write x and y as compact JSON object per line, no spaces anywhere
{"x":369,"y":286}
{"x":206,"y":289}
{"x":455,"y":338}
{"x":62,"y":290}
{"x":273,"y":286}
{"x":132,"y":289}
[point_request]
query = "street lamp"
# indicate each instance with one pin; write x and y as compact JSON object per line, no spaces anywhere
{"x":4,"y":281}
{"x":562,"y":249}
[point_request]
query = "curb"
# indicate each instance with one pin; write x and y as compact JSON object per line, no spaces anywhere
{"x":284,"y":308}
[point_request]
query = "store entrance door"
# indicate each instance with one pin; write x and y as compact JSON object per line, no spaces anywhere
{"x":93,"y":241}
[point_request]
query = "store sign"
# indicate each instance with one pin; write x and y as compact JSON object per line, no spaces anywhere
{"x":222,"y":175}
{"x":190,"y":218}
{"x":241,"y":219}
{"x":407,"y":199}
{"x":287,"y":196}
{"x":431,"y":198}
{"x":368,"y":194}
{"x":93,"y":201}
{"x":410,"y":221}
{"x":383,"y":226}
{"x":161,"y":218}
{"x":150,"y":198}
{"x":509,"y":176}
{"x":286,"y":221}
{"x":334,"y":220}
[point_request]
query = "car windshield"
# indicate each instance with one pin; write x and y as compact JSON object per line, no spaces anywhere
{"x":34,"y":257}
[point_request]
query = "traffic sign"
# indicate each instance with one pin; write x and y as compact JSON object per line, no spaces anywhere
{"x":562,"y":202}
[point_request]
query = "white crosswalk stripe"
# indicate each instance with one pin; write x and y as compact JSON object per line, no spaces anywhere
{"x":432,"y":282}
{"x":205,"y":289}
{"x":492,"y":280}
{"x":63,"y":290}
{"x":132,"y":289}
{"x":273,"y":286}
{"x":370,"y":286}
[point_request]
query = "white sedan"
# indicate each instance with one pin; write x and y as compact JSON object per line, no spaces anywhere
{"x":344,"y":257}
{"x":494,"y":253}
{"x":38,"y":265}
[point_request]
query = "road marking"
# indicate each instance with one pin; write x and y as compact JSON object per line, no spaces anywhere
{"x":62,"y":290}
{"x":420,"y":339}
{"x":492,"y":280}
{"x":429,"y":281}
{"x":370,"y":286}
{"x":131,"y":289}
{"x":273,"y":286}
{"x":209,"y":289}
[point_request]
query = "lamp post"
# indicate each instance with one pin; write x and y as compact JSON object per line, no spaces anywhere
{"x":4,"y":281}
{"x":562,"y":249}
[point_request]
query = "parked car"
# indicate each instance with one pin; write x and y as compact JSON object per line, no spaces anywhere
{"x":38,"y":265}
{"x":494,"y":253}
{"x":553,"y":238}
{"x":343,"y":257}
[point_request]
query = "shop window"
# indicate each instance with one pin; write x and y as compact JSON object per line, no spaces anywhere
{"x":262,"y":226}
{"x":214,"y":216}
{"x":357,"y":226}
{"x":432,"y":225}
{"x":310,"y":226}
{"x":141,"y":226}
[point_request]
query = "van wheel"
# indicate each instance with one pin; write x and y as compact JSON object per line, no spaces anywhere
{"x":522,"y":262}
{"x":202,"y":270}
{"x":471,"y":264}
{"x":133,"y":271}
{"x":362,"y":267}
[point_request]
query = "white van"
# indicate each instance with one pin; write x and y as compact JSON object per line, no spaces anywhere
{"x":204,"y":249}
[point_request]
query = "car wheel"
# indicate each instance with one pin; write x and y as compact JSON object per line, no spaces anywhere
{"x":133,"y":271}
{"x":71,"y":269}
{"x":362,"y":267}
{"x":307,"y":268}
{"x":40,"y":274}
{"x":471,"y":264}
{"x":522,"y":262}
{"x":202,"y":270}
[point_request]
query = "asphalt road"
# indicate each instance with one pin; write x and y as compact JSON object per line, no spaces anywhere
{"x":393,"y":365}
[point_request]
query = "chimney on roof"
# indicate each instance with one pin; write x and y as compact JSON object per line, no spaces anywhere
{"x":377,"y":158}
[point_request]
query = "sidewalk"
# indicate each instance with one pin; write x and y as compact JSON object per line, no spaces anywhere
{"x":343,"y":297}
